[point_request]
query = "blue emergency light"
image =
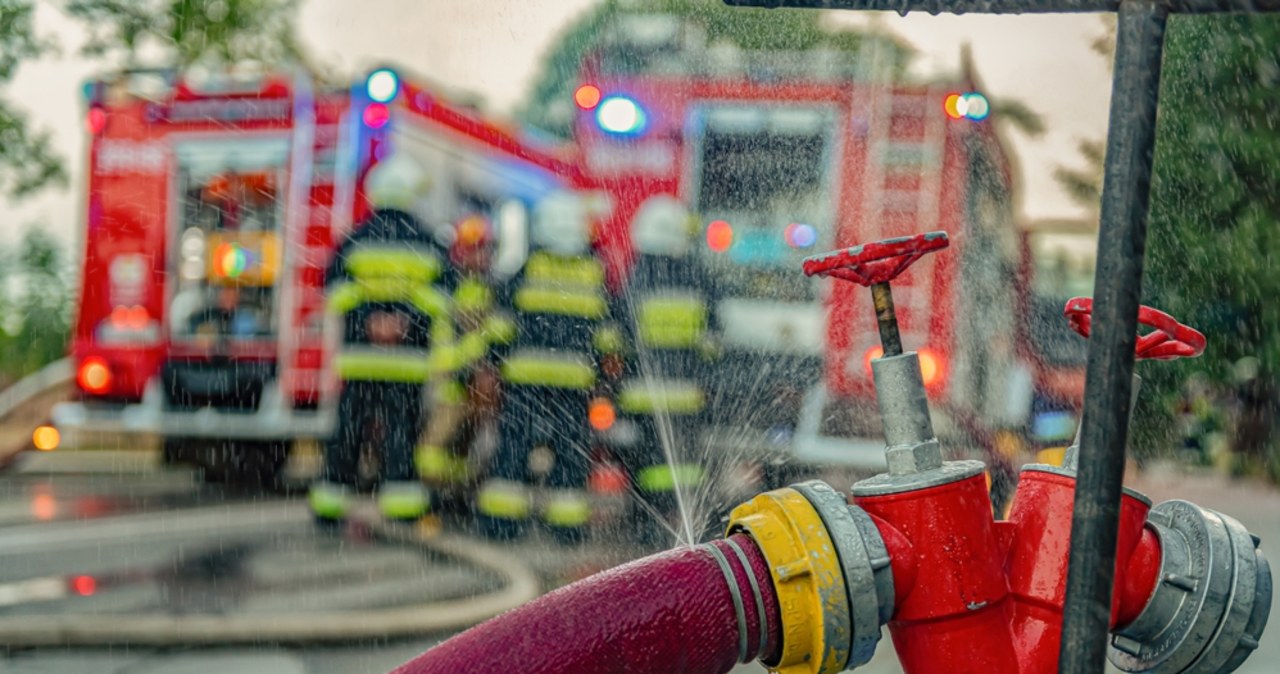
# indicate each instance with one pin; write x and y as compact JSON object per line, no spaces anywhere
{"x":621,"y":116}
{"x":382,"y":85}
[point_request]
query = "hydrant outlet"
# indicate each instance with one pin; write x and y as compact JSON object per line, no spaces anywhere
{"x":831,"y":572}
{"x":1211,"y":601}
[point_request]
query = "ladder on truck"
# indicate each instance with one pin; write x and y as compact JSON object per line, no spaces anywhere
{"x":906,"y":142}
{"x":306,"y":379}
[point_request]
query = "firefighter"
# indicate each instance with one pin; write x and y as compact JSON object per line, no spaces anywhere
{"x":671,"y":332}
{"x":464,"y":403}
{"x":560,"y":306}
{"x":396,"y":335}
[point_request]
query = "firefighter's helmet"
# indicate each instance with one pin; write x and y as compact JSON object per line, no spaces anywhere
{"x":562,"y":223}
{"x":472,"y":242}
{"x":397,"y":182}
{"x":662,"y":226}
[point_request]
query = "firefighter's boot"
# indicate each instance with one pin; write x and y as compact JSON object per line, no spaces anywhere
{"x":503,"y":508}
{"x":566,"y":513}
{"x":403,"y":501}
{"x":329,"y":502}
{"x":441,"y":467}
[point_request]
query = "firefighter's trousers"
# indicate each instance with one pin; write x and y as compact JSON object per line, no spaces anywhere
{"x":543,"y":416}
{"x":393,"y":408}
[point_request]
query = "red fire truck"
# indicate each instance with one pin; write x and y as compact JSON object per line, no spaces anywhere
{"x":214,"y":206}
{"x":782,"y":159}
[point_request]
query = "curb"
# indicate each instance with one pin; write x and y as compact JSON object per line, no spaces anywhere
{"x":521,"y":585}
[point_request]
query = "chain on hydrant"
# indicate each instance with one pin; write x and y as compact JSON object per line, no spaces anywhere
{"x":917,"y":548}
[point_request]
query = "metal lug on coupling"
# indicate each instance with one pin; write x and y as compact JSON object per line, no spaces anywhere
{"x":1212,"y":600}
{"x":830,"y":570}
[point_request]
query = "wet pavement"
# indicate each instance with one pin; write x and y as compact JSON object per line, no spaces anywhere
{"x":109,"y":535}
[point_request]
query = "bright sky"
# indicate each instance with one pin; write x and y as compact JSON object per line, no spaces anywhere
{"x":493,"y":48}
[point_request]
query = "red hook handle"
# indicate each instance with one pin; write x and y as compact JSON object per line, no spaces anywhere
{"x":1167,"y":340}
{"x":878,"y":262}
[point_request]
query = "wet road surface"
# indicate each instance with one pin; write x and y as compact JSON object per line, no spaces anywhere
{"x":109,"y":534}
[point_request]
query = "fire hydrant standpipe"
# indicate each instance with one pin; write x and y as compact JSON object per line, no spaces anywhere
{"x":805,"y":580}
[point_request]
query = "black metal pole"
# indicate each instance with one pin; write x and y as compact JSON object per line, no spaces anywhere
{"x":1117,"y":288}
{"x":1016,"y":6}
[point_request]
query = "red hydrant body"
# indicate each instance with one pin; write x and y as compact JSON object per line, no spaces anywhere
{"x":1192,"y":592}
{"x":987,"y":596}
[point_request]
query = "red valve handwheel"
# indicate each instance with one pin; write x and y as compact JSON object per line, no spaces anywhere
{"x":1168,"y":339}
{"x":877,"y":262}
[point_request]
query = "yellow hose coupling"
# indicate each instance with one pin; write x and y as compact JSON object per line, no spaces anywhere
{"x":807,"y":578}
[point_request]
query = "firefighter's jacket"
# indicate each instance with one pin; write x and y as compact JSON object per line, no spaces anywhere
{"x":389,"y":264}
{"x":561,"y":310}
{"x":485,"y":330}
{"x":671,"y":333}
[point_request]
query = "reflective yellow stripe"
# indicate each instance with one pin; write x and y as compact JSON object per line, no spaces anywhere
{"x":407,"y":366}
{"x":667,"y":478}
{"x":672,"y":322}
{"x":608,"y":339}
{"x":471,"y":348}
{"x":443,"y":360}
{"x":472,"y":295}
{"x":639,"y":397}
{"x":440,"y":465}
{"x":451,"y":392}
{"x":567,"y":512}
{"x":581,"y":271}
{"x":424,"y":298}
{"x":502,"y":504}
{"x":327,"y":501}
{"x":548,"y":370}
{"x":560,"y":301}
{"x":402,"y":503}
{"x":499,"y":329}
{"x":430,"y":301}
{"x":370,"y":262}
{"x":344,"y":297}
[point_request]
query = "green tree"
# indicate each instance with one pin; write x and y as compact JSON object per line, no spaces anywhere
{"x":27,"y":162}
{"x":190,"y":31}
{"x":37,"y":302}
{"x":1213,"y":237}
{"x":1083,"y":183}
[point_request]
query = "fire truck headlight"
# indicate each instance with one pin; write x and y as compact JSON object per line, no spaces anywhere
{"x":94,"y":376}
{"x":978,"y":108}
{"x":719,"y":236}
{"x":587,"y":96}
{"x":382,"y":85}
{"x":799,"y":235}
{"x":621,"y":116}
{"x":972,"y":106}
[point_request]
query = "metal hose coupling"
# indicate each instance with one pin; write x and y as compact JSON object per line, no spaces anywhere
{"x":1211,"y":600}
{"x":831,"y":573}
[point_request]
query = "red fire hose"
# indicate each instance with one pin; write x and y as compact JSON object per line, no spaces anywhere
{"x":693,"y":610}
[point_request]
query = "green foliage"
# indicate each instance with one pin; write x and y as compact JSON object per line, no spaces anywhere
{"x":1019,"y":115}
{"x":27,"y":161}
{"x":1084,"y":185}
{"x":1213,"y":238}
{"x":35,"y":298}
{"x":794,"y":30}
{"x":191,"y":30}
